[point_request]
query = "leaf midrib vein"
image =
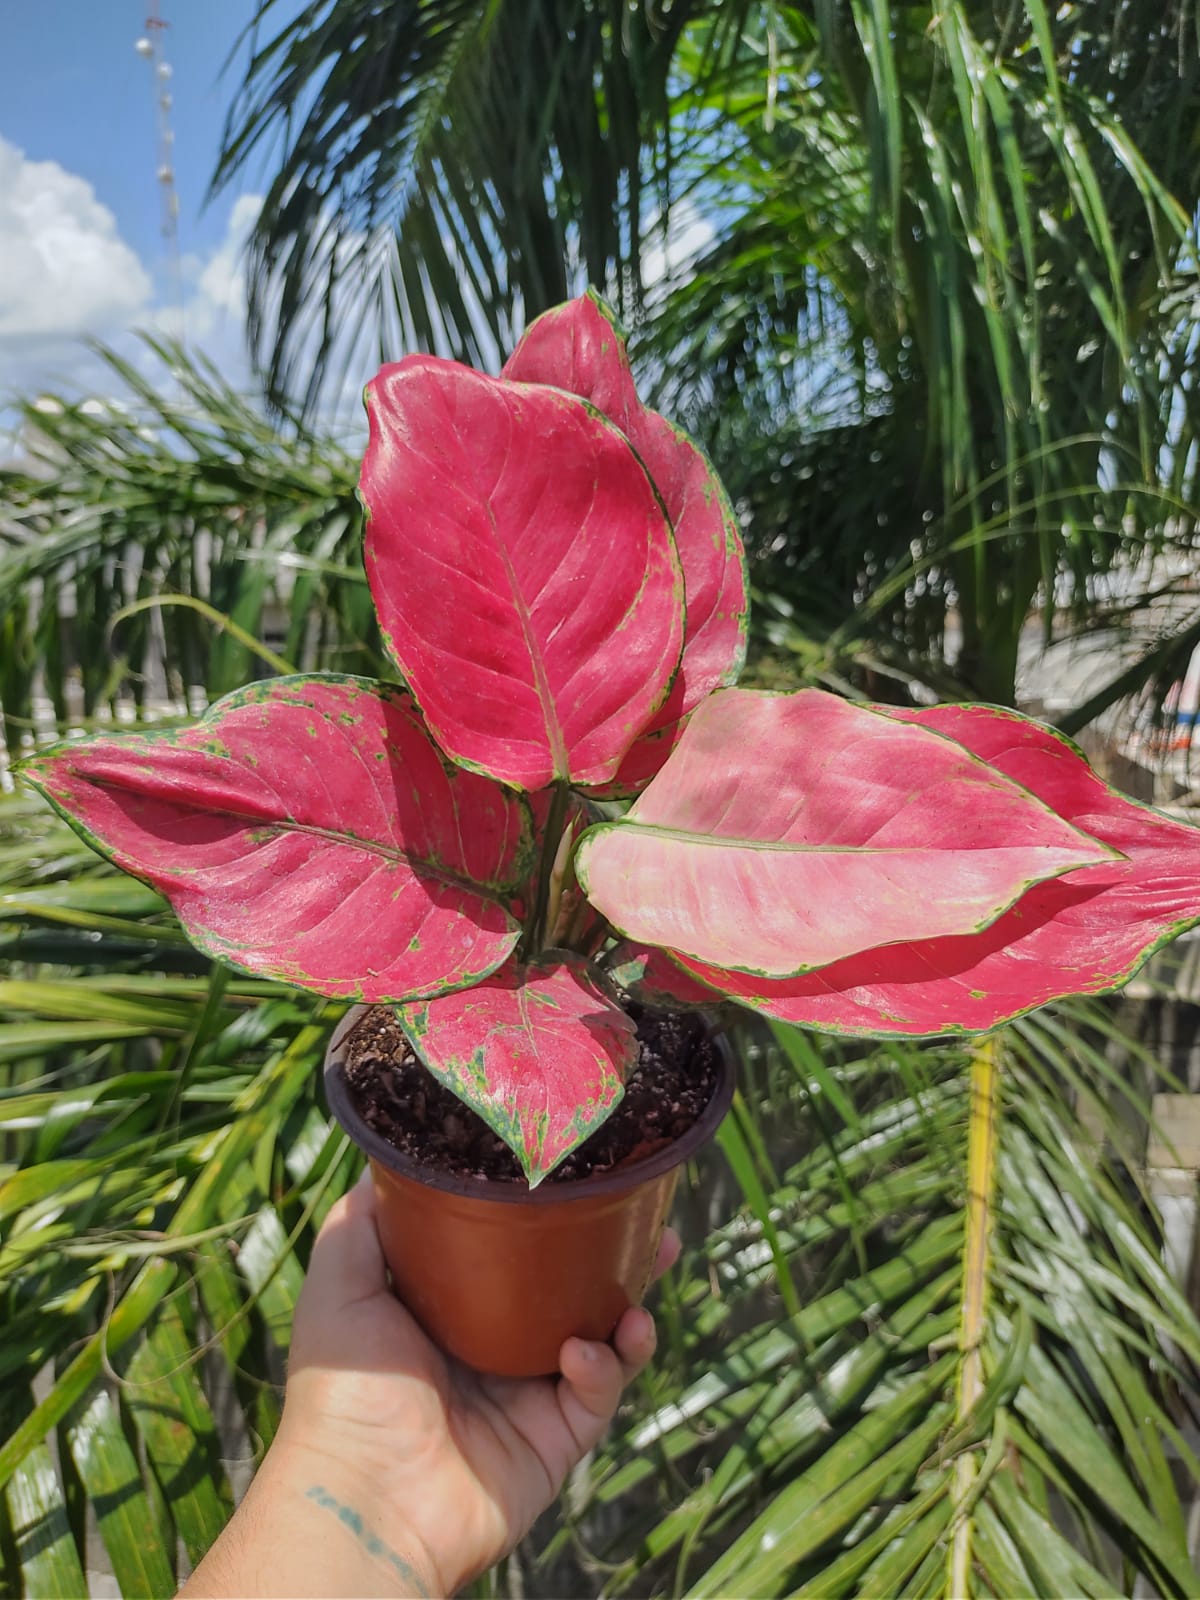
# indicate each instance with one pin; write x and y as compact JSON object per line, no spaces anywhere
{"x":392,"y":853}
{"x":554,"y":731}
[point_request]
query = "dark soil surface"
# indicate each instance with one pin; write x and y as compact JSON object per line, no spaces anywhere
{"x":666,"y":1092}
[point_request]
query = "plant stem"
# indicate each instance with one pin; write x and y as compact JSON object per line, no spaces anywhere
{"x":562,"y":882}
{"x":983,"y":1144}
{"x":536,"y":924}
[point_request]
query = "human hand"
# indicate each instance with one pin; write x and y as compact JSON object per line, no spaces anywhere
{"x":434,"y":1471}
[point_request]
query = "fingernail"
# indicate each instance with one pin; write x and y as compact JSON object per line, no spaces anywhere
{"x":587,"y":1352}
{"x":643,"y":1325}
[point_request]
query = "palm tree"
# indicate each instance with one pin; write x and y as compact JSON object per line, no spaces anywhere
{"x":978,"y":1389}
{"x":448,"y":169}
{"x":939,"y":334}
{"x":146,"y":542}
{"x":935,"y":1351}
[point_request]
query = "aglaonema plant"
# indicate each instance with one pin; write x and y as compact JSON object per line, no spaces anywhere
{"x":560,"y":582}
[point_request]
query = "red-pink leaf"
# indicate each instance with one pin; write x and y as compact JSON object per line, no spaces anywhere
{"x":525,"y":576}
{"x":577,"y":347}
{"x":1080,"y":934}
{"x":790,"y":830}
{"x":308,"y":829}
{"x":540,"y":1053}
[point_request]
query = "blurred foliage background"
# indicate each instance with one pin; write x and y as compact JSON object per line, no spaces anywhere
{"x":922,"y":277}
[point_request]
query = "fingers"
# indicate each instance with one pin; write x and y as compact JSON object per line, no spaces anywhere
{"x":635,"y":1340}
{"x":593,"y":1375}
{"x":669,"y":1247}
{"x":589,"y":1390}
{"x":347,"y":1261}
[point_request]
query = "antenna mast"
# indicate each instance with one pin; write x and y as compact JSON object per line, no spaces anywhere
{"x":150,"y":47}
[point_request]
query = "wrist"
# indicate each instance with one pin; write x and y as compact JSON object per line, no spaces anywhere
{"x":360,"y":1516}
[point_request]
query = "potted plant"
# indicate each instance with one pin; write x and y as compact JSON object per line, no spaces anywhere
{"x":567,"y":804}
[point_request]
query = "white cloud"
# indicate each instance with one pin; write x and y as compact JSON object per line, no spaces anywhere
{"x":66,"y":274}
{"x":208,"y":313}
{"x":51,"y":219}
{"x":215,"y":289}
{"x":64,"y":268}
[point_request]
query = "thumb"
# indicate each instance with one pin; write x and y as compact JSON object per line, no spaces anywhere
{"x":347,"y":1261}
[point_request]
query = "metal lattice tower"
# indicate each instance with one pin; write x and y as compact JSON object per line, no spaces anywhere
{"x":150,"y":47}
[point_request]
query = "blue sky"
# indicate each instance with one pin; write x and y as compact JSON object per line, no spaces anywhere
{"x":81,"y":245}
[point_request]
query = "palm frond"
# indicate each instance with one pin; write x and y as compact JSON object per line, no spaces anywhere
{"x":984,"y":1390}
{"x":115,"y":509}
{"x":163,"y":1164}
{"x":974,"y":220}
{"x":939,"y":329}
{"x":443,"y":171}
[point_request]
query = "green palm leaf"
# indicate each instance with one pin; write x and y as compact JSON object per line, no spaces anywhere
{"x":976,"y":1396}
{"x":130,"y":1168}
{"x":145,"y":547}
{"x":441,"y":170}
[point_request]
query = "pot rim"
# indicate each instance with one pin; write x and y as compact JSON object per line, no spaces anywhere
{"x":509,"y":1193}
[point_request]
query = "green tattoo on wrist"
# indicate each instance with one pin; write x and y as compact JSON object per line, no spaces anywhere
{"x":371,"y":1543}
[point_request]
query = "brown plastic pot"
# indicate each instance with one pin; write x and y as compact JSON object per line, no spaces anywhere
{"x":499,"y":1274}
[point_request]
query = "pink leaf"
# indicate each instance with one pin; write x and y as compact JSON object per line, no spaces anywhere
{"x":790,"y":830}
{"x":540,"y":1053}
{"x":577,"y":347}
{"x":1080,"y":934}
{"x":524,"y":574}
{"x":308,"y":829}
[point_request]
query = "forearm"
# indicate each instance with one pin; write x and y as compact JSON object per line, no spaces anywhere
{"x":306,"y":1528}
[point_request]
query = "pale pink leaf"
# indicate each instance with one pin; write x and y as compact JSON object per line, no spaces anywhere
{"x":308,"y":829}
{"x":1080,"y":934}
{"x":524,"y":573}
{"x":790,"y":830}
{"x":540,"y":1053}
